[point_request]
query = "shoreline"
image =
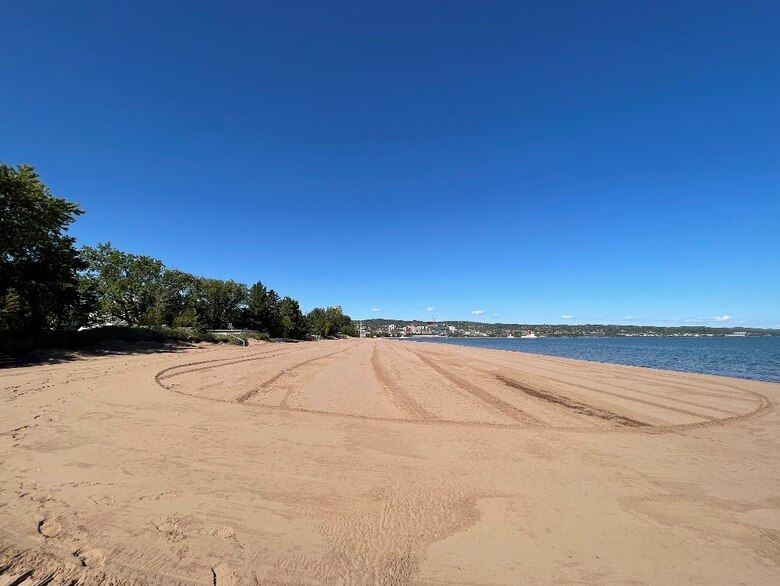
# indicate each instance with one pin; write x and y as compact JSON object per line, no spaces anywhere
{"x":597,"y":354}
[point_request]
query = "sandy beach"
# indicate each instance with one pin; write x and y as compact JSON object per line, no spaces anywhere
{"x":383,"y":462}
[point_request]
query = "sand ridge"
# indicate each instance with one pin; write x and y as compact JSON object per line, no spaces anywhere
{"x":383,"y":462}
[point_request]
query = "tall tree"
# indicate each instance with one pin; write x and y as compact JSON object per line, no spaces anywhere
{"x":330,"y":322}
{"x":128,"y":286}
{"x":178,"y":300}
{"x":340,"y":322}
{"x":221,"y":302}
{"x":291,"y":320}
{"x":263,"y":310}
{"x":38,"y":260}
{"x":317,"y":323}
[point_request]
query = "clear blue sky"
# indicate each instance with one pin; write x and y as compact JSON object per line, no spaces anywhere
{"x":608,"y":161}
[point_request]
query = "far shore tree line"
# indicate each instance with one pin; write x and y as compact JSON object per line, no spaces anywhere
{"x":47,"y":284}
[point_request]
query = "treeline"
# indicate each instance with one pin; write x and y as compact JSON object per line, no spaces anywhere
{"x":47,"y":284}
{"x":118,"y":287}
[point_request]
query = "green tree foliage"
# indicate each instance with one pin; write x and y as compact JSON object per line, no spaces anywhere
{"x":38,"y":260}
{"x":177,"y":304}
{"x":293,"y":324}
{"x":128,"y":286}
{"x":139,"y":290}
{"x":14,"y":311}
{"x":315,"y":321}
{"x":330,"y":322}
{"x":263,"y":310}
{"x":221,"y":303}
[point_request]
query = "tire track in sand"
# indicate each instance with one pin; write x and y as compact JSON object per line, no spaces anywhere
{"x":481,"y":394}
{"x":765,"y":404}
{"x":677,"y":378}
{"x":571,"y":404}
{"x":244,"y":397}
{"x":623,"y":397}
{"x":686,"y":382}
{"x":405,"y":404}
{"x":708,"y":418}
{"x":690,"y":388}
{"x":175,"y":371}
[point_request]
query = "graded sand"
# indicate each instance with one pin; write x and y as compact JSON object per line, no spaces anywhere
{"x":384,"y":462}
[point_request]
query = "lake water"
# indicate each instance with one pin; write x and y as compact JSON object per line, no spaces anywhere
{"x":748,"y":357}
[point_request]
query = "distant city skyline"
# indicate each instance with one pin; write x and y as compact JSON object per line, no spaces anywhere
{"x":720,"y":321}
{"x":573,"y":162}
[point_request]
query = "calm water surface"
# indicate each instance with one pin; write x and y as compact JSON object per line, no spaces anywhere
{"x":754,"y":358}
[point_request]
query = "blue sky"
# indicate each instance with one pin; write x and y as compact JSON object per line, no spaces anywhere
{"x":608,"y":162}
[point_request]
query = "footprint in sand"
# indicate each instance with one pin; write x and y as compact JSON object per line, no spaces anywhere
{"x":170,"y":527}
{"x":49,"y":527}
{"x":90,"y":558}
{"x":177,"y":528}
{"x":224,"y":532}
{"x":158,"y":496}
{"x":224,"y":576}
{"x":103,"y":500}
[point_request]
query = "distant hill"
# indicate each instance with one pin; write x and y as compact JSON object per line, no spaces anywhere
{"x":457,"y":328}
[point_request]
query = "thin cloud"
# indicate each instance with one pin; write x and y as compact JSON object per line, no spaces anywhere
{"x":628,"y":318}
{"x":567,"y":317}
{"x":707,"y":320}
{"x":496,"y":314}
{"x":375,"y":309}
{"x":429,"y":309}
{"x":478,"y":312}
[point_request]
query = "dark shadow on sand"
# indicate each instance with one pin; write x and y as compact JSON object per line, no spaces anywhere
{"x":30,"y":349}
{"x":50,"y":356}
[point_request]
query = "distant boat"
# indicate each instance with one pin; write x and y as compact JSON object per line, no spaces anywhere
{"x":531,"y":335}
